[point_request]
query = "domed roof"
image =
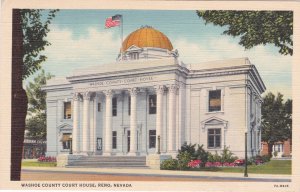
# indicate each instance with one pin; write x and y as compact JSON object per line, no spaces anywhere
{"x":147,"y":37}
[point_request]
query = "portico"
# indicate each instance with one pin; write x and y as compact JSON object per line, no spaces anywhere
{"x":168,"y":134}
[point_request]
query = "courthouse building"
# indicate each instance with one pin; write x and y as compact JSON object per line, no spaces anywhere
{"x":148,"y":102}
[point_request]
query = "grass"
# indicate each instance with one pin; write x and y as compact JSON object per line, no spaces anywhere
{"x":272,"y":167}
{"x":38,"y":164}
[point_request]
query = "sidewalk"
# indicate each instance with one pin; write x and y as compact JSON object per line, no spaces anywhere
{"x":169,"y":173}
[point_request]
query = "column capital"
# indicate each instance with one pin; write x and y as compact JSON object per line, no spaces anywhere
{"x":173,"y":88}
{"x":86,"y":95}
{"x":108,"y":93}
{"x":76,"y":96}
{"x":133,"y":91}
{"x":160,"y":89}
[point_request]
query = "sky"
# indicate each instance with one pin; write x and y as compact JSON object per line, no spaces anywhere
{"x":79,"y":39}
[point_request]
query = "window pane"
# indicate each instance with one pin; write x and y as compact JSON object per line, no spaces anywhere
{"x":152,"y":138}
{"x":67,"y":110}
{"x":152,"y":104}
{"x":218,"y":131}
{"x":211,"y":131}
{"x":218,"y":141}
{"x":114,"y":139}
{"x":211,"y":141}
{"x":215,"y":100}
{"x":114,"y":106}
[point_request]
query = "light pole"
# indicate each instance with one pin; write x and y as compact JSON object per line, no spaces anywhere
{"x":246,"y":157}
{"x":71,"y":146}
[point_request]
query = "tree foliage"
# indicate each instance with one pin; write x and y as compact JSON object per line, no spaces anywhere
{"x":35,"y":28}
{"x":36,"y":123}
{"x":37,"y":97}
{"x":255,"y":27}
{"x":276,"y":119}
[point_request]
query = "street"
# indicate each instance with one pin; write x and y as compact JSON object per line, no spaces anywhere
{"x":46,"y":175}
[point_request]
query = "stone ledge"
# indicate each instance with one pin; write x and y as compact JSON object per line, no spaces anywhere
{"x":153,"y":161}
{"x":65,"y":159}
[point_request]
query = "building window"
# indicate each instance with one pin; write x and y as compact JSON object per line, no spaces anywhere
{"x":129,"y":105}
{"x":67,"y":110}
{"x":152,"y":104}
{"x":114,"y":106}
{"x":134,"y":56}
{"x":66,"y":141}
{"x":278,"y":147}
{"x":114,"y":139}
{"x":152,"y":138}
{"x":214,"y":138}
{"x":214,"y":103}
{"x":99,"y":107}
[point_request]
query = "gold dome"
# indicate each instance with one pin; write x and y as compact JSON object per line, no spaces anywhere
{"x":147,"y":37}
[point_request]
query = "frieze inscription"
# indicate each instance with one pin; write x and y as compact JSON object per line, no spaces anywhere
{"x":121,"y":81}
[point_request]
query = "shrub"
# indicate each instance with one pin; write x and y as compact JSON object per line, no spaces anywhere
{"x":226,"y":164}
{"x":190,"y":149}
{"x":194,"y":163}
{"x":201,"y":154}
{"x":214,"y":157}
{"x":239,"y":162}
{"x":169,"y":164}
{"x":265,"y":158}
{"x":47,"y":159}
{"x":183,"y":159}
{"x":227,"y":156}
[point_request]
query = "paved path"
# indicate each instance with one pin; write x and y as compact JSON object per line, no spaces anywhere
{"x":113,"y":174}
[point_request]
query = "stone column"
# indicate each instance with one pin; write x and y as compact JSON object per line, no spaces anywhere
{"x":76,"y":119}
{"x":133,"y":122}
{"x":94,"y":127}
{"x":181,"y":116}
{"x":159,"y":115}
{"x":172,"y":119}
{"x":108,"y":123}
{"x":86,"y":122}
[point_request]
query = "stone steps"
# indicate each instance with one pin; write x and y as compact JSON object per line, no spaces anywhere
{"x":111,"y":161}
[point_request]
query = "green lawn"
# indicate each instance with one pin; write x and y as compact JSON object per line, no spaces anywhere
{"x":38,"y":164}
{"x":272,"y":167}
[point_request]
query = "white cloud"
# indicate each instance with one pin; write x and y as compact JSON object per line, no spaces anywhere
{"x":275,"y":69}
{"x":94,"y":48}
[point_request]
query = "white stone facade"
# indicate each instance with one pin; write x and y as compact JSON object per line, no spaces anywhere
{"x":100,"y":116}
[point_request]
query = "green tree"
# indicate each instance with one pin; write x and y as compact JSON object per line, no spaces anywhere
{"x":276,"y":119}
{"x":255,"y":27}
{"x":29,"y":32}
{"x":36,"y":123}
{"x":37,"y":97}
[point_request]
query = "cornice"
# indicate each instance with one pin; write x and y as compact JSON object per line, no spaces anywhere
{"x":123,"y":72}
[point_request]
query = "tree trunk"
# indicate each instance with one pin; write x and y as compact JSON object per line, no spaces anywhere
{"x":270,"y":149}
{"x":19,"y":98}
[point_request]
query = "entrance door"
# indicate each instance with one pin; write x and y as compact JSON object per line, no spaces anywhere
{"x":128,"y":141}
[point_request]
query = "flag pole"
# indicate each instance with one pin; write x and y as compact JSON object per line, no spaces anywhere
{"x":122,"y":37}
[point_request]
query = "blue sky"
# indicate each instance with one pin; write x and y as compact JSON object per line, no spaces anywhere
{"x":79,"y":39}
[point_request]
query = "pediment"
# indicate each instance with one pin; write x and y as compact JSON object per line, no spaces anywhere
{"x":133,"y":48}
{"x":64,"y":126}
{"x":214,"y":121}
